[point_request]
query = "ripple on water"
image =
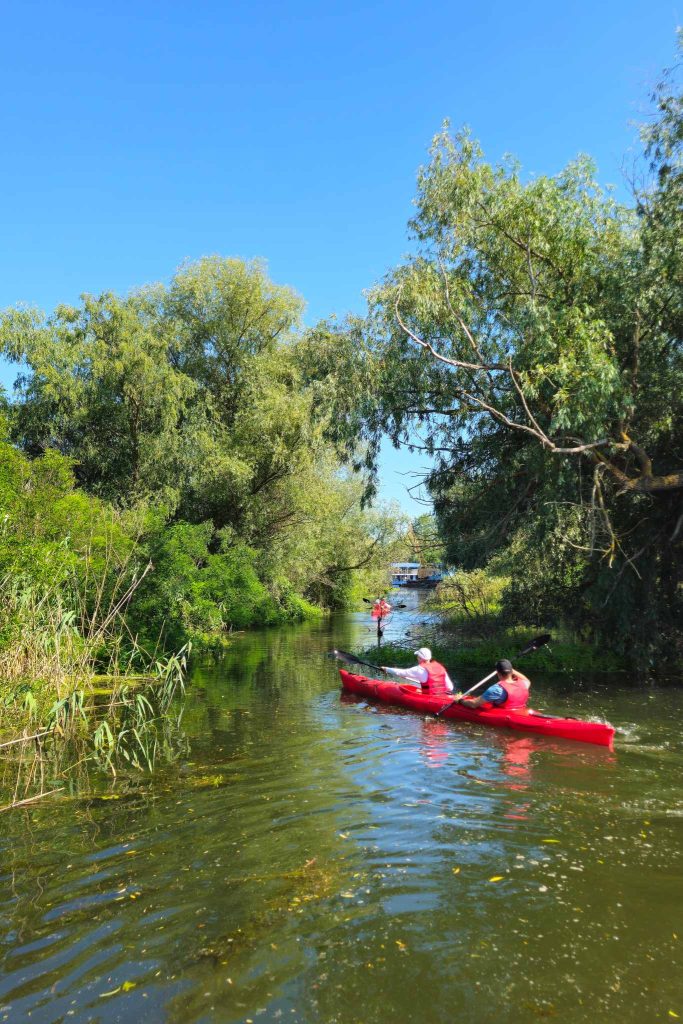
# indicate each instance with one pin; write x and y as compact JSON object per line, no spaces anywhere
{"x":314,"y":859}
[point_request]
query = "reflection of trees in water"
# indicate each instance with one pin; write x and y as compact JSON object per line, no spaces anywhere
{"x":255,"y":719}
{"x":263,"y":671}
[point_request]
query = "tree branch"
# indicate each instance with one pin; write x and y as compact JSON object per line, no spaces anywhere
{"x":645,"y":483}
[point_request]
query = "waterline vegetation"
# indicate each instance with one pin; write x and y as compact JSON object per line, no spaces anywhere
{"x":131,"y":725}
{"x":165,"y":480}
{"x":188,"y":460}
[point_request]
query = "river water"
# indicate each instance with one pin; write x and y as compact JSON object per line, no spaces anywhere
{"x":312,"y":858}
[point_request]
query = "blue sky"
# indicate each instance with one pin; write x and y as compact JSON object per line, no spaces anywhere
{"x":141,"y":134}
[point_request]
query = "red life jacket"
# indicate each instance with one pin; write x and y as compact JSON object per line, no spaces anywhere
{"x":380,"y":609}
{"x":436,"y":679}
{"x":517,"y":688}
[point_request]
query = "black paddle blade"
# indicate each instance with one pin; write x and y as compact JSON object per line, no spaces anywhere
{"x":352,"y":659}
{"x":539,"y":641}
{"x":342,"y":655}
{"x":393,"y":607}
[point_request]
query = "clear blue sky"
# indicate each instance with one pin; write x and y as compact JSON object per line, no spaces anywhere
{"x":140,"y":134}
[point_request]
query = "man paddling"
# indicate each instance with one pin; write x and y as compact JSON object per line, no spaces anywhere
{"x":430,"y":675}
{"x":511,"y":690}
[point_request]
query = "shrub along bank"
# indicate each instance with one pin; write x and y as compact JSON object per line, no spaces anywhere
{"x":165,"y":479}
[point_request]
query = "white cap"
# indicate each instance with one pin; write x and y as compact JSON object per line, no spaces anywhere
{"x":424,"y":653}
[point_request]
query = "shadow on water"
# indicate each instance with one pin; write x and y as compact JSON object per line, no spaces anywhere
{"x":319,"y":859}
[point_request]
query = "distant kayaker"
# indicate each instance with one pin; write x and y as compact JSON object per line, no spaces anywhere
{"x":428,"y":674}
{"x":381,"y":608}
{"x":511,"y":690}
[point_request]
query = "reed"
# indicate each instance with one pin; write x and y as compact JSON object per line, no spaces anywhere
{"x":59,"y":635}
{"x":133,"y":729}
{"x":55,"y":636}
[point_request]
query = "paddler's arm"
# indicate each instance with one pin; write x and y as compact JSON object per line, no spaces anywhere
{"x":494,"y":694}
{"x":411,"y":675}
{"x":469,"y":702}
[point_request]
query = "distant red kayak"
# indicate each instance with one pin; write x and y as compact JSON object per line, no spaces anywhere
{"x":600,"y":733}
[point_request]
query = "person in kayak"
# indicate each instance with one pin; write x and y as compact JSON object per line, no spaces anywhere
{"x":430,"y":675}
{"x":511,"y":690}
{"x":380,"y":609}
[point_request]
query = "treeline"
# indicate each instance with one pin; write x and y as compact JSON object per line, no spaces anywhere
{"x":532,"y":346}
{"x":173,"y":458}
{"x":167,"y":474}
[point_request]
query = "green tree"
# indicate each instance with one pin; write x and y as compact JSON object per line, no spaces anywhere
{"x":193,"y":402}
{"x":423,"y":541}
{"x":534,"y":343}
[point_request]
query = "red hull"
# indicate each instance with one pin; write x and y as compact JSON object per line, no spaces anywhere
{"x":599,"y":733}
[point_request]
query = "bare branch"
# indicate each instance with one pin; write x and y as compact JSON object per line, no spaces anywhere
{"x":646,"y":482}
{"x":456,"y":363}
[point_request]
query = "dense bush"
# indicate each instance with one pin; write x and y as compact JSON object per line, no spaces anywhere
{"x":165,"y":476}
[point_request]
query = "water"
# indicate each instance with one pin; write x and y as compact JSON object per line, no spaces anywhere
{"x":317,"y":859}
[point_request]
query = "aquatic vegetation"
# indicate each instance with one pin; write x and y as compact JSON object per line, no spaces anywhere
{"x":129,"y":728}
{"x":568,"y":658}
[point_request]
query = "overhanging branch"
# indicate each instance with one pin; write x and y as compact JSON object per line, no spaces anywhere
{"x":646,"y":482}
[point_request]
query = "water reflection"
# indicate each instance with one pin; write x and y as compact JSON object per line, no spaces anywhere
{"x":434,"y":742}
{"x":324,"y":860}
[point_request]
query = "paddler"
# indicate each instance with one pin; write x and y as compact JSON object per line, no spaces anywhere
{"x":430,"y":675}
{"x":511,"y":690}
{"x":381,"y":608}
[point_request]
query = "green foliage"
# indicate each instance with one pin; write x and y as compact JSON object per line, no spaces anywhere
{"x":166,"y":478}
{"x":202,"y":596}
{"x":140,"y":391}
{"x":474,"y":598}
{"x":533,"y":343}
{"x":568,"y":660}
{"x":422,"y":541}
{"x":67,"y":563}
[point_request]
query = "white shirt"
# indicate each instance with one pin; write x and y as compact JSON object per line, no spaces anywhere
{"x":418,"y":674}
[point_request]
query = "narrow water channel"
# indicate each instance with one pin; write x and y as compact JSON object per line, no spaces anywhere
{"x":314,"y":859}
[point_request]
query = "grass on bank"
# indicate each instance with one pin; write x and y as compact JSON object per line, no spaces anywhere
{"x":127,"y":727}
{"x":570,"y":660}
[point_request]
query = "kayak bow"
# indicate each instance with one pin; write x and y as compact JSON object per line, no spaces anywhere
{"x":600,"y":733}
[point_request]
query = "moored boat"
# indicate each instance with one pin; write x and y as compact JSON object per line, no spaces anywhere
{"x":526,"y":720}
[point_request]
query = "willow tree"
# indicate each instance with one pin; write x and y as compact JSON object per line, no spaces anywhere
{"x":532,"y":346}
{"x":192,"y":400}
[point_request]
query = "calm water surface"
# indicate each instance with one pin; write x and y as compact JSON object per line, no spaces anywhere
{"x":316,"y":859}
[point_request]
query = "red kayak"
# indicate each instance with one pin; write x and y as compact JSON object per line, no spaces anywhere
{"x":600,"y":733}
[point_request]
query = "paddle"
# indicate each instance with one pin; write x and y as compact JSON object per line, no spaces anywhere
{"x":533,"y":645}
{"x":345,"y":656}
{"x":393,"y":607}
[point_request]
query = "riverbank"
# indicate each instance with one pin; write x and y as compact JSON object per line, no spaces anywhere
{"x":572,"y":661}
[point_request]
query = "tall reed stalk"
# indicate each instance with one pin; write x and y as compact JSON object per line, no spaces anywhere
{"x":76,"y":680}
